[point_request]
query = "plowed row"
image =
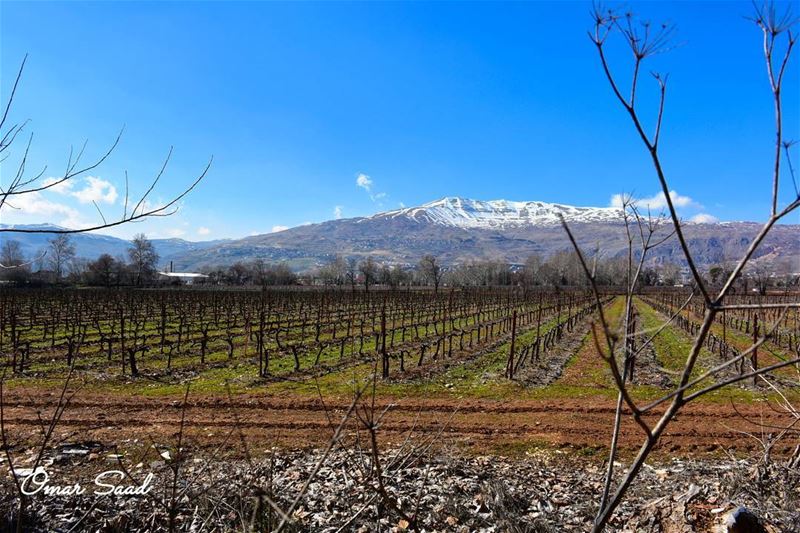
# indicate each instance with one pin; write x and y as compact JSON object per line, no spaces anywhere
{"x":274,"y":415}
{"x":477,"y":424}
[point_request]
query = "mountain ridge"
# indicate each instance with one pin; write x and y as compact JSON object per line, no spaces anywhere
{"x":468,"y":213}
{"x":456,"y":230}
{"x":91,"y":245}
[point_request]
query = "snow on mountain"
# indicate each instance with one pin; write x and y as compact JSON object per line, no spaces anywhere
{"x":457,"y":230}
{"x":465,"y":213}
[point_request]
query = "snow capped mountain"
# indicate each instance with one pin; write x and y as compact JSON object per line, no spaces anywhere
{"x":458,"y":230}
{"x":455,"y":230}
{"x":495,"y":214}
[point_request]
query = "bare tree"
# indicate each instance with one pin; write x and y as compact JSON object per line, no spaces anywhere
{"x":351,"y":272}
{"x":23,"y":182}
{"x":369,"y":272}
{"x":335,"y":272}
{"x":643,"y":41}
{"x":13,"y":266}
{"x":431,"y":271}
{"x":669,"y":274}
{"x":761,"y":276}
{"x":392,"y":276}
{"x":239,"y":274}
{"x":60,"y":252}
{"x":143,"y":258}
{"x":78,"y":268}
{"x":715,"y":273}
{"x":102,"y":271}
{"x":11,"y":254}
{"x":532,"y":272}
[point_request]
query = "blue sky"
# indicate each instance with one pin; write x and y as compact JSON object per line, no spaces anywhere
{"x":296,"y":100}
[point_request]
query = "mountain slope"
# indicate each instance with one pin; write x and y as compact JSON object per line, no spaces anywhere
{"x":458,"y":230}
{"x":465,"y":213}
{"x":455,"y":230}
{"x":91,"y":245}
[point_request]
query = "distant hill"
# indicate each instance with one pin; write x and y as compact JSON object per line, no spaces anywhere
{"x":92,"y":245}
{"x":456,"y":230}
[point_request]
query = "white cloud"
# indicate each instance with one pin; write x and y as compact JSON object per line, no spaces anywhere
{"x":617,"y":200}
{"x":202,"y":230}
{"x":402,"y":205}
{"x":96,"y":190}
{"x":364,"y":181}
{"x":34,"y":208}
{"x":704,"y":218}
{"x":337,"y":212}
{"x":656,"y":202}
{"x":35,"y":203}
{"x":60,"y":187}
{"x":276,"y":229}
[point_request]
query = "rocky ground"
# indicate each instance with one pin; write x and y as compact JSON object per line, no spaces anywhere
{"x":425,"y":488}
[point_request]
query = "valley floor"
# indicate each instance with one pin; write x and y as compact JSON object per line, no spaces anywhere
{"x":460,"y":446}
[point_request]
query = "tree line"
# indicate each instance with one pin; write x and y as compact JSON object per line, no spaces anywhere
{"x":58,"y":263}
{"x":561,"y":269}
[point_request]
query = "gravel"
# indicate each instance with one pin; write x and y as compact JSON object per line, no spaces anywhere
{"x":431,"y":491}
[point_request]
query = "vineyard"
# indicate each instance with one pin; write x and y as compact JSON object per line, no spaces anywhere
{"x":424,"y":347}
{"x":210,"y":377}
{"x":169,"y":335}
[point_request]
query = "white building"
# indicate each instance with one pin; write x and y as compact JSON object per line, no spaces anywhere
{"x":185,"y":277}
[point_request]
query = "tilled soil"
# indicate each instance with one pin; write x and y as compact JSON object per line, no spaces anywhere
{"x":647,"y":368}
{"x":549,"y":368}
{"x":301,"y":421}
{"x":705,"y":359}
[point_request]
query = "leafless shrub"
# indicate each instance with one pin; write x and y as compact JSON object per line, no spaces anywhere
{"x":47,"y":430}
{"x":645,"y":40}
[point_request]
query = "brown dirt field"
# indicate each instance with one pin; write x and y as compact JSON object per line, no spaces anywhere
{"x":295,"y":421}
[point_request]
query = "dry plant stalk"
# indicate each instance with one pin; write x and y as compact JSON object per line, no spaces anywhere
{"x":645,"y":40}
{"x":47,"y":429}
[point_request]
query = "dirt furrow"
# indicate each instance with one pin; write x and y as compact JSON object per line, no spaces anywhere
{"x":484,"y":424}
